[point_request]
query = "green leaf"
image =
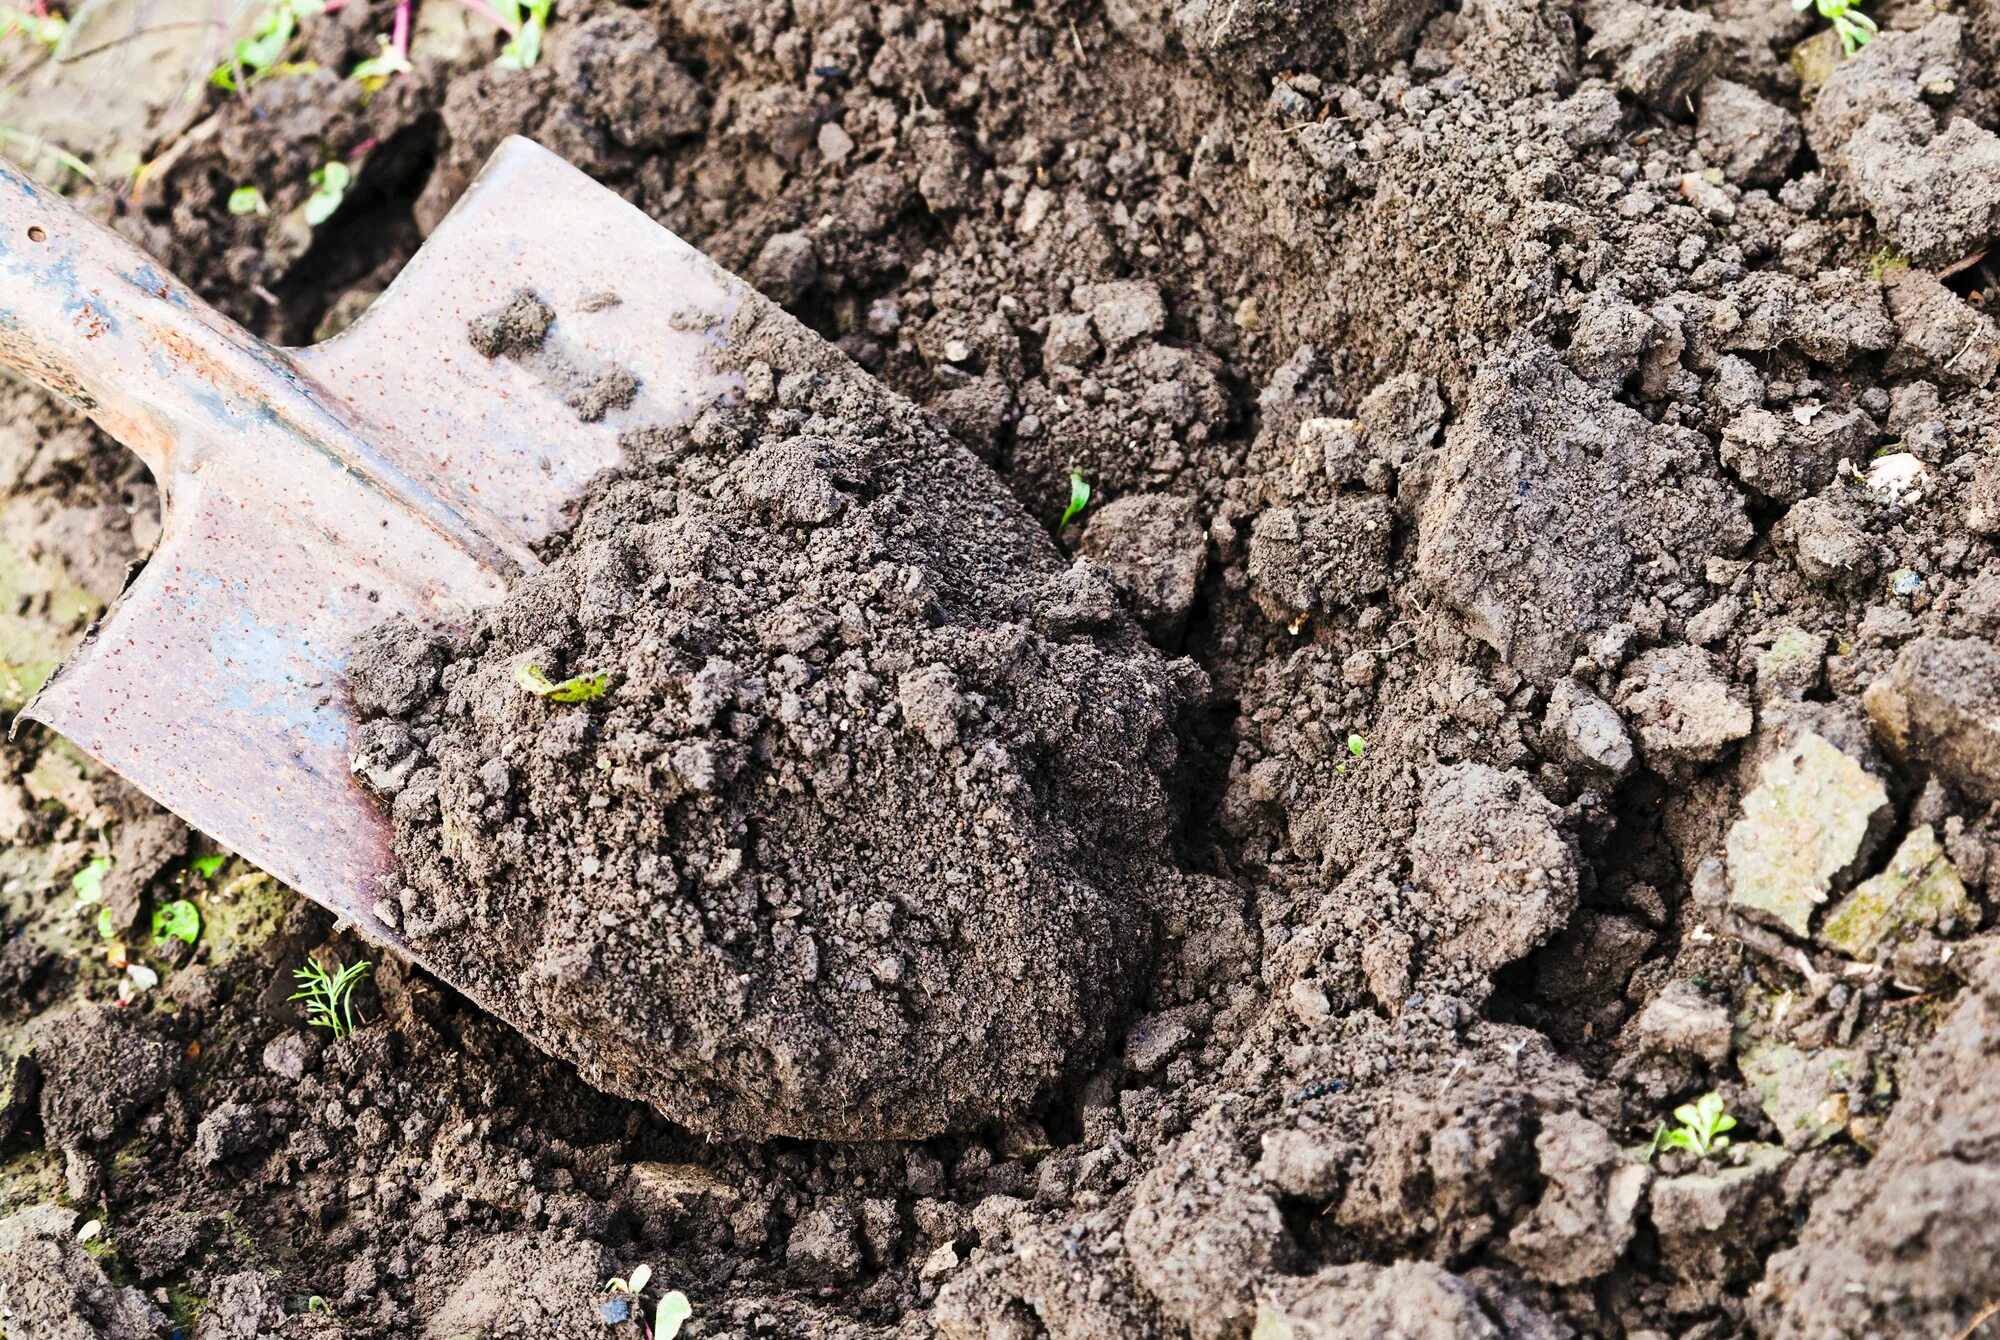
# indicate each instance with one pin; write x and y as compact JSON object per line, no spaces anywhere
{"x":89,"y":881}
{"x":1079,"y":498}
{"x":247,"y":200}
{"x":378,"y":69}
{"x":209,"y":866}
{"x":576,"y":689}
{"x":525,"y":49}
{"x":104,"y":929}
{"x":178,"y":919}
{"x":674,"y":1309}
{"x":329,"y":184}
{"x":1357,"y":745}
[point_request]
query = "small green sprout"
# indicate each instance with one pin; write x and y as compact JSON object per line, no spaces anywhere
{"x":378,"y":69}
{"x":1079,"y":498}
{"x":37,"y":25}
{"x":576,"y":689}
{"x":208,"y":867}
{"x":329,"y":183}
{"x":259,"y":54}
{"x":1885,"y":261}
{"x":1701,"y":1130}
{"x":674,"y":1309}
{"x":178,"y":920}
{"x":246,"y":200}
{"x":329,"y":994}
{"x":1357,"y":745}
{"x":318,"y":1304}
{"x":1855,"y":28}
{"x":527,"y":22}
{"x":105,"y":930}
{"x":89,"y":881}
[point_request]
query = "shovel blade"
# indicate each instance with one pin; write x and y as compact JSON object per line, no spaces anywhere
{"x":311,"y":494}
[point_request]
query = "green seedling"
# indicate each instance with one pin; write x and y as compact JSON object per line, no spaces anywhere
{"x":261,"y":52}
{"x":178,"y":920}
{"x":1079,"y":498}
{"x":673,"y":1311}
{"x":378,"y":69}
{"x":1855,"y":28}
{"x":575,"y":689}
{"x":247,"y":200}
{"x":1701,"y":1130}
{"x":36,"y":25}
{"x":329,"y":994}
{"x":527,"y":22}
{"x":318,"y":1304}
{"x":1357,"y":745}
{"x":89,"y":881}
{"x":208,"y":867}
{"x":329,"y":182}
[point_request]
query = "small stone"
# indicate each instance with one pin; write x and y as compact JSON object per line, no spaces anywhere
{"x":1123,"y":310}
{"x":1682,"y":706}
{"x":1791,"y":666}
{"x":1681,"y":1021}
{"x":1155,"y":1038}
{"x":1794,"y":1086}
{"x":1156,"y":549}
{"x":1808,"y":820}
{"x":824,"y":1245}
{"x":1938,"y":710}
{"x":1982,"y":496}
{"x":835,"y":144}
{"x":291,"y":1055}
{"x":1751,"y":140}
{"x":1588,"y":731}
{"x":1920,"y":888}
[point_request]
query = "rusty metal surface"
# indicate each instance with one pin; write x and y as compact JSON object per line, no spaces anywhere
{"x":311,"y":493}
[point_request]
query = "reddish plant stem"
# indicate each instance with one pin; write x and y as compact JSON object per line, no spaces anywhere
{"x":493,"y":16}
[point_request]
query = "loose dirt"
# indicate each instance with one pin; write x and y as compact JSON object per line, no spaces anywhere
{"x":1528,"y":663}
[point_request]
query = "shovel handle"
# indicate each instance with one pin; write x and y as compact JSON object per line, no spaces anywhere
{"x":91,"y":318}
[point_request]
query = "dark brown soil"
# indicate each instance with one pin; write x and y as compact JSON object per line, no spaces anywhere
{"x":1559,"y":434}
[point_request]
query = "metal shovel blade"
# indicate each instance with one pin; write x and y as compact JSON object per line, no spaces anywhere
{"x":310,"y":494}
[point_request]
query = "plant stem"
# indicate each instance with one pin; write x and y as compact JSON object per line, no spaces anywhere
{"x":493,"y":16}
{"x":399,"y":40}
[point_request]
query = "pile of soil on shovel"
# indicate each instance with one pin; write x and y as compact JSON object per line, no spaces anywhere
{"x":865,"y":838}
{"x":1561,"y":434}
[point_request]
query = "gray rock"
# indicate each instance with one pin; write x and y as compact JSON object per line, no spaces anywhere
{"x":1814,"y":814}
{"x":1937,"y":334}
{"x":1156,"y":549}
{"x":1659,"y":55}
{"x":1751,"y":140}
{"x":825,"y":1246}
{"x":1122,"y":310}
{"x":1682,"y":706}
{"x":1938,"y":711}
{"x":1587,"y":730}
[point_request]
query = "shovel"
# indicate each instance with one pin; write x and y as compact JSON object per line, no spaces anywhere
{"x":310,"y":494}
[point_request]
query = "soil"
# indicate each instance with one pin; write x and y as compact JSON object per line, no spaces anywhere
{"x":1528,"y":663}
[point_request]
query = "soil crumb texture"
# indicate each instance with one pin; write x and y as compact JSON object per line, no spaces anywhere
{"x":1483,"y":826}
{"x":863,"y":839}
